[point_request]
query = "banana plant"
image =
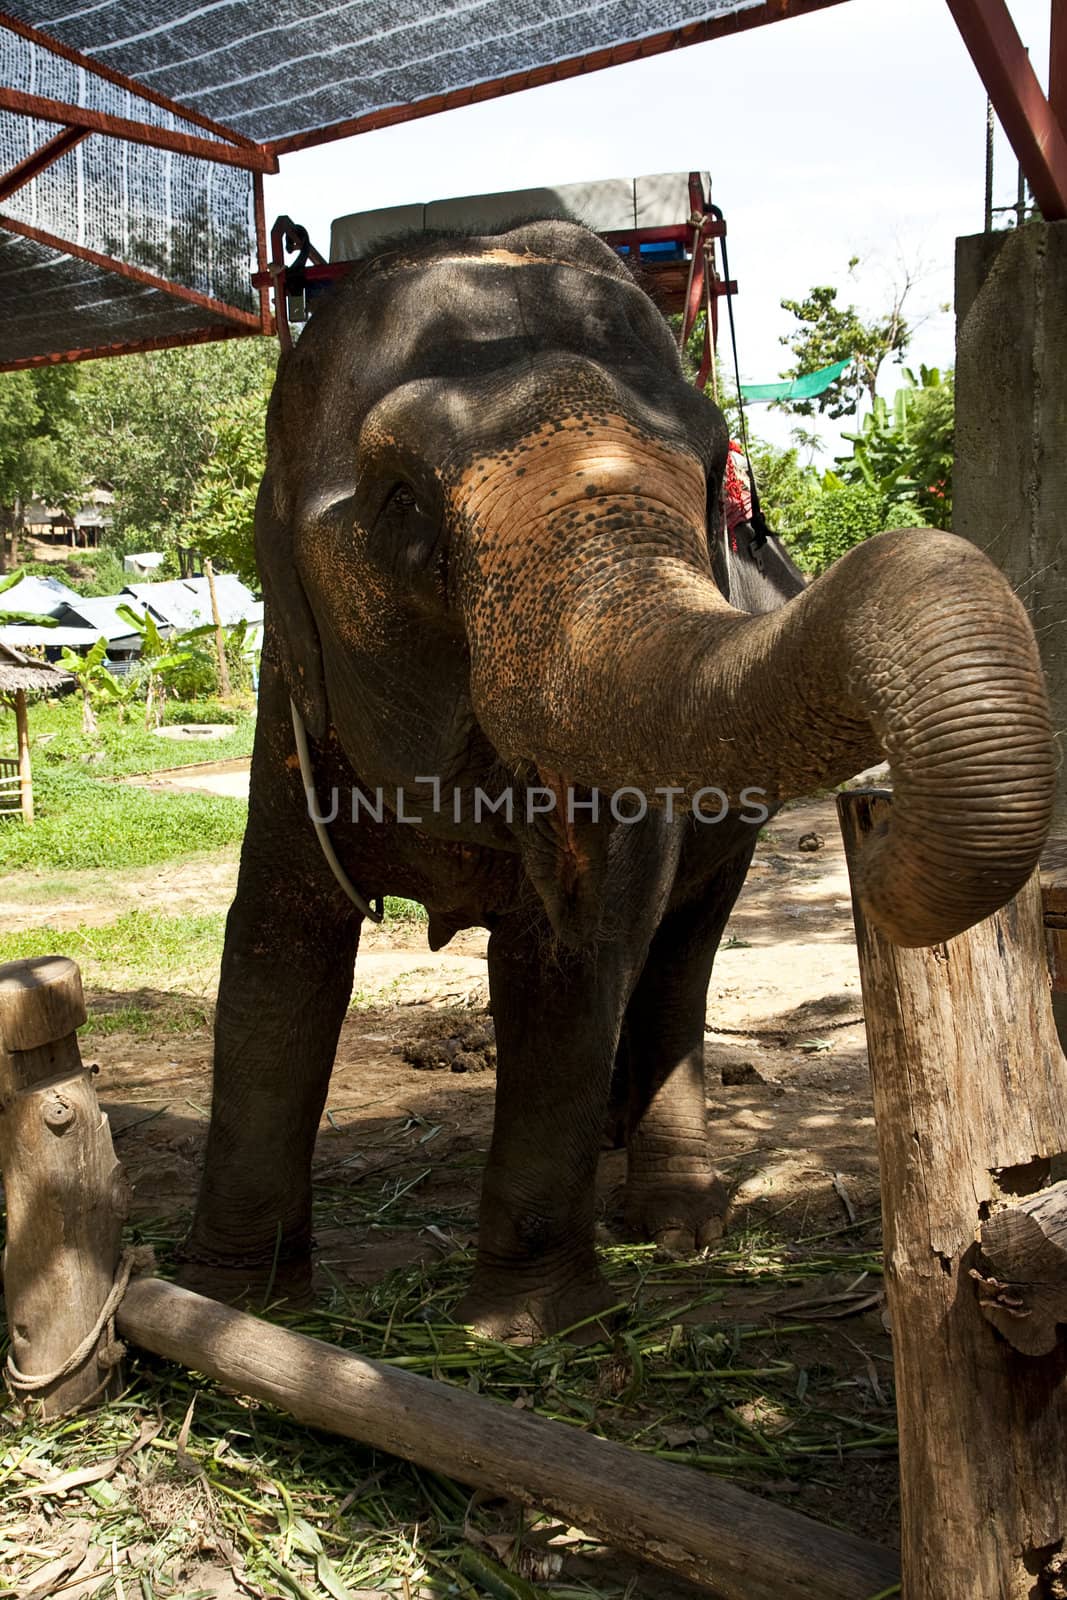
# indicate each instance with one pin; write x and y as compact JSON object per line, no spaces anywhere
{"x":903,"y":451}
{"x":161,"y":660}
{"x":95,"y":682}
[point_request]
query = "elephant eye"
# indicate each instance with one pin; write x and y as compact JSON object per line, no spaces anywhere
{"x":403,"y":498}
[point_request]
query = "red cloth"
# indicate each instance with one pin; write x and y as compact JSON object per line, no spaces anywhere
{"x":737,"y":494}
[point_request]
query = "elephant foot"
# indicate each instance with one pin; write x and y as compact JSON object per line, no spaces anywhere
{"x":679,"y":1213}
{"x":522,"y":1315}
{"x":248,"y":1284}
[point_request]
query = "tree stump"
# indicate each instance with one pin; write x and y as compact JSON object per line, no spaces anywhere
{"x":970,"y":1096}
{"x":66,"y":1196}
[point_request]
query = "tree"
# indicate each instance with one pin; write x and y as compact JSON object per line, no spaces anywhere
{"x":829,"y":333}
{"x":152,"y":429}
{"x":224,"y":503}
{"x":38,"y":412}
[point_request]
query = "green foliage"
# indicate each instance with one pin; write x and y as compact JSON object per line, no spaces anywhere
{"x":828,"y":333}
{"x":152,"y":426}
{"x":39,"y":409}
{"x":840,"y":516}
{"x":87,"y":572}
{"x":224,"y":504}
{"x":106,"y":572}
{"x":95,"y":681}
{"x":82,"y":823}
{"x":905,"y":449}
{"x":787,"y":489}
{"x":177,"y":665}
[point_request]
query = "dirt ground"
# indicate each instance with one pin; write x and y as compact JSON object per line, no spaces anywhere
{"x":409,"y":1113}
{"x":788,"y":1094}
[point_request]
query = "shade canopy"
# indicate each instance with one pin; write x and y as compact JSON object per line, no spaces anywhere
{"x":134,"y":134}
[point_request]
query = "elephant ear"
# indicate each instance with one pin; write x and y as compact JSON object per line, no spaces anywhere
{"x":290,"y":614}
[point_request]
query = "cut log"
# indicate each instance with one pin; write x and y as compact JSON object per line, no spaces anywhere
{"x":970,"y":1097}
{"x":66,"y":1197}
{"x":1022,"y":1273}
{"x":739,"y":1546}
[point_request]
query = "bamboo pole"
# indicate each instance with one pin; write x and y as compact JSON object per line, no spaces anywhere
{"x":739,"y":1546}
{"x":22,"y":730}
{"x":66,"y":1197}
{"x":970,"y":1096}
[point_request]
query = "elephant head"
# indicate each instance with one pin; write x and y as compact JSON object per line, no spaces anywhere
{"x":484,"y":538}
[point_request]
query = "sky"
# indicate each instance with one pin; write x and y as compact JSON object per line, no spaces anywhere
{"x":858,"y":130}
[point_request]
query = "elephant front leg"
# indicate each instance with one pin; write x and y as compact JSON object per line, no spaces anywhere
{"x":673,"y":1194}
{"x":285,"y":986}
{"x":557,"y":1017}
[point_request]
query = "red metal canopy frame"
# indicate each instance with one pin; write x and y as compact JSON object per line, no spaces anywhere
{"x":1036,"y":126}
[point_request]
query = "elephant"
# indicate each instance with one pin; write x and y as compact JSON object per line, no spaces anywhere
{"x":488,"y":537}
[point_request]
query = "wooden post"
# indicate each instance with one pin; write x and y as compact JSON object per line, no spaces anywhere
{"x":970,"y":1097}
{"x":66,"y":1196}
{"x":22,"y":730}
{"x":741,"y":1547}
{"x":220,"y":637}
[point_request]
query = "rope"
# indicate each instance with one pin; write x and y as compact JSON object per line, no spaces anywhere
{"x":132,"y":1263}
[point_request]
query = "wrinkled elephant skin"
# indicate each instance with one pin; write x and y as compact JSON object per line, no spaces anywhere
{"x":488,"y":541}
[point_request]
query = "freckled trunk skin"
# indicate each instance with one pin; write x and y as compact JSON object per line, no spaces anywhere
{"x":601,"y":646}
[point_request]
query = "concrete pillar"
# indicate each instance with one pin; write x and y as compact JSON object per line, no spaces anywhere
{"x":1010,"y":483}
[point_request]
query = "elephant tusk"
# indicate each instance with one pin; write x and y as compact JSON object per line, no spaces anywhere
{"x":321,"y":831}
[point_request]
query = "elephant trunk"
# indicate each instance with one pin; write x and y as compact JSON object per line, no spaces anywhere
{"x":627,"y":668}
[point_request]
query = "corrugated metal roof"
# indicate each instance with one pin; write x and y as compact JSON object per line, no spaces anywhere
{"x":186,"y":602}
{"x":100,"y":615}
{"x":24,"y":636}
{"x":40,"y":597}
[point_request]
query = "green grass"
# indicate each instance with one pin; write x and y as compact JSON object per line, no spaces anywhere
{"x":123,"y":749}
{"x":172,"y":955}
{"x":143,"y":943}
{"x":82,"y":823}
{"x":304,"y":1513}
{"x":177,"y":958}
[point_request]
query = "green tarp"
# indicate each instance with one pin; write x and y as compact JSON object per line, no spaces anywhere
{"x":805,"y":388}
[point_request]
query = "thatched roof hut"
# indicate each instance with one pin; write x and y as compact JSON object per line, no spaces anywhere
{"x":19,"y":672}
{"x":21,"y":677}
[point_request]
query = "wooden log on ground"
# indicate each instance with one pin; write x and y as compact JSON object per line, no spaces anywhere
{"x":970,"y":1097}
{"x":65,"y":1194}
{"x":741,"y":1547}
